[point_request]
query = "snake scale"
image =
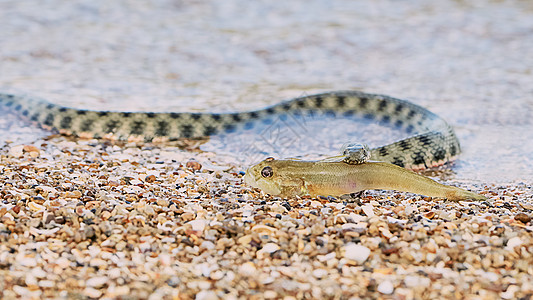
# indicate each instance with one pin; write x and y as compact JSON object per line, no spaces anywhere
{"x":431,"y":141}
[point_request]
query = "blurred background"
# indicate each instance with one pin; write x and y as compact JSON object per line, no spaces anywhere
{"x":468,"y":61}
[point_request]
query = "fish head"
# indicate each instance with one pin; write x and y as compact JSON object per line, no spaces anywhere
{"x":264,"y":176}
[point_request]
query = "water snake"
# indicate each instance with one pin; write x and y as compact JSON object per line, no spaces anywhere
{"x":431,"y":141}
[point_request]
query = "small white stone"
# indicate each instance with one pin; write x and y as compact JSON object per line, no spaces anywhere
{"x":394,"y":220}
{"x":510,"y":292}
{"x":386,"y":233}
{"x":45,"y":232}
{"x":96,"y":281}
{"x":412,"y":281}
{"x":270,"y":248}
{"x":326,"y":257}
{"x":46,"y":284}
{"x":206,"y":295}
{"x":270,"y":294}
{"x":207,"y":245}
{"x":386,"y":287}
{"x":28,"y":262}
{"x":516,"y":241}
{"x":348,"y":226}
{"x":20,"y":290}
{"x":92,"y":293}
{"x":268,"y":280}
{"x":197,"y":225}
{"x":35,"y":207}
{"x":30,"y":280}
{"x":320,"y":273}
{"x":38,"y":273}
{"x":248,"y":268}
{"x":356,"y":252}
{"x":17,"y":151}
{"x":368,"y":209}
{"x":409,"y":209}
{"x":356,"y":218}
{"x":216,"y":275}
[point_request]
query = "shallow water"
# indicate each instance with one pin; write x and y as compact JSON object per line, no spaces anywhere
{"x":467,"y":62}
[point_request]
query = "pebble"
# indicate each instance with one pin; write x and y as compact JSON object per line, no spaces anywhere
{"x":270,"y":294}
{"x":92,"y":292}
{"x":522,"y":217}
{"x":368,"y":209}
{"x":16,"y":151}
{"x":187,"y":216}
{"x":248,"y":268}
{"x":386,"y":287}
{"x":150,"y":178}
{"x":197,"y":225}
{"x":270,"y":248}
{"x":356,"y":252}
{"x":320,"y":273}
{"x":245,"y":240}
{"x":35,"y":207}
{"x":194,"y":165}
{"x":206,"y":295}
{"x":513,"y":242}
{"x":263,"y":229}
{"x":96,"y":281}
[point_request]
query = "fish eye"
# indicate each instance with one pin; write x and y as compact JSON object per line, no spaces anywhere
{"x":267,"y":172}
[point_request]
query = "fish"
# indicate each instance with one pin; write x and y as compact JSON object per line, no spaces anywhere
{"x":289,"y":178}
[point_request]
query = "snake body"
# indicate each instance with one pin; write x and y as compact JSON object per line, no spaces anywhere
{"x":432,"y":142}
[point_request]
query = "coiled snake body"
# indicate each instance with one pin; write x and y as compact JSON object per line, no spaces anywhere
{"x":432,"y":142}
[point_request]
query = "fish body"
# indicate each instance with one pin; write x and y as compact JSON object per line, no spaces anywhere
{"x":289,"y":178}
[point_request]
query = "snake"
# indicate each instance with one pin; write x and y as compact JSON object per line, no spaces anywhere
{"x":430,"y":141}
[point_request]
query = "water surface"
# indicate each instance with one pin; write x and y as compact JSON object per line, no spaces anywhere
{"x":467,"y":62}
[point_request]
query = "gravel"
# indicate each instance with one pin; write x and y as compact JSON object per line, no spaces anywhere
{"x":89,"y":219}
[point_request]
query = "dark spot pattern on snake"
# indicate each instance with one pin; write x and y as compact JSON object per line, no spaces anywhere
{"x":49,"y":121}
{"x":434,"y":143}
{"x":341,"y":101}
{"x":318,"y":100}
{"x":86,"y":126}
{"x":382,"y":105}
{"x":418,"y":158}
{"x":111,"y":125}
{"x":162,"y":128}
{"x":187,"y":130}
{"x":209,"y":130}
{"x":137,"y":127}
{"x":65,"y":122}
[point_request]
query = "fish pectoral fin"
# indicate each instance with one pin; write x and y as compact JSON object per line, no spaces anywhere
{"x":293,"y":187}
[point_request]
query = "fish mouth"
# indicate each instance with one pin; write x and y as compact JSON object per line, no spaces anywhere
{"x":249,"y":179}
